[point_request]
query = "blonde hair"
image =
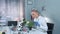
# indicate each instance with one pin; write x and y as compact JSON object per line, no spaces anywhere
{"x":34,"y":10}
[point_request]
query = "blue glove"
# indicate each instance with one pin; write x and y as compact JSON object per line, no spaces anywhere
{"x":37,"y":24}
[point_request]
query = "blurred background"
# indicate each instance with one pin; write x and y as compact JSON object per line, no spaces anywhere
{"x":16,"y":10}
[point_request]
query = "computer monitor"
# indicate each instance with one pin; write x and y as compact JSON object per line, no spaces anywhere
{"x":10,"y":23}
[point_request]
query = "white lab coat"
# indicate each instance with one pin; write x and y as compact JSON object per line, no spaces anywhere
{"x":43,"y":26}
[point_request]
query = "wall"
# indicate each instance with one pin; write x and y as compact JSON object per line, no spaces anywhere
{"x":36,"y":4}
{"x":52,"y":11}
{"x":28,"y":9}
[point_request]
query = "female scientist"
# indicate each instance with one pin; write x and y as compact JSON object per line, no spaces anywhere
{"x":40,"y":22}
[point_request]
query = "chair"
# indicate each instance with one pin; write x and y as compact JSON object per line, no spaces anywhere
{"x":50,"y":28}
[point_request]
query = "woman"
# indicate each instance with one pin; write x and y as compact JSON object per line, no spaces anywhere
{"x":41,"y":26}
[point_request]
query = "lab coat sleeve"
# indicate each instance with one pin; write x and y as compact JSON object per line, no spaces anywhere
{"x":43,"y":24}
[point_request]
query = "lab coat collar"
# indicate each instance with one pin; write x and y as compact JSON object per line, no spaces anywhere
{"x":36,"y":19}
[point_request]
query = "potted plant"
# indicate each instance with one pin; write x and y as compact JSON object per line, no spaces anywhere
{"x":30,"y":25}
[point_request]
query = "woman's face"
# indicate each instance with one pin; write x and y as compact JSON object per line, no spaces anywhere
{"x":34,"y":14}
